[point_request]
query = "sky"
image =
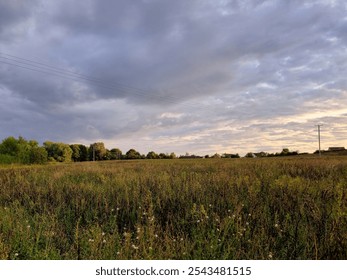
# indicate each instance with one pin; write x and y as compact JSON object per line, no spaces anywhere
{"x":198,"y":76}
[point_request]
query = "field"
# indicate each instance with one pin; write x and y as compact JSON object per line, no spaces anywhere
{"x":278,"y":208}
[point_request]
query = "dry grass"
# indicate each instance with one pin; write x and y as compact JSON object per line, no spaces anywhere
{"x":176,"y":209}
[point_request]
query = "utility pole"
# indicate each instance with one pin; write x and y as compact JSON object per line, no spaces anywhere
{"x":319,"y":125}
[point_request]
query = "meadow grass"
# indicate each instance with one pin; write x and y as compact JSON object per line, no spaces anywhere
{"x":273,"y":208}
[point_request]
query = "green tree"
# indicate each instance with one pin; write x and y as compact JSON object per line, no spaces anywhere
{"x":132,"y":154}
{"x":98,"y":151}
{"x":152,"y":155}
{"x":9,"y":146}
{"x":250,"y":155}
{"x":116,"y":154}
{"x":38,"y":155}
{"x":60,"y":152}
{"x":22,"y":151}
{"x":75,"y":152}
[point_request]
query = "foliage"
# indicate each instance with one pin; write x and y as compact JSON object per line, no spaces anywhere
{"x":58,"y":151}
{"x":79,"y":152}
{"x":115,"y":154}
{"x":269,"y":208}
{"x":98,"y":151}
{"x":132,"y":154}
{"x":20,"y":150}
{"x":152,"y":155}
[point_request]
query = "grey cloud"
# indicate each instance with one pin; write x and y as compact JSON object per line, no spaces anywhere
{"x":214,"y":63}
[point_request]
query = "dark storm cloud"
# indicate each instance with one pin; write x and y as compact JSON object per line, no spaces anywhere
{"x":179,"y":70}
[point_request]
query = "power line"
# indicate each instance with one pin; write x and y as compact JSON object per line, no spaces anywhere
{"x":63,"y":73}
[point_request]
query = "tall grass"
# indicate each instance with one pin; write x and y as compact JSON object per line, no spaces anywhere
{"x":176,"y":209}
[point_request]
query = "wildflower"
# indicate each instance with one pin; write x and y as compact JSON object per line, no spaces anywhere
{"x":270,"y":255}
{"x":198,"y":221}
{"x":210,"y":205}
{"x":112,"y":210}
{"x":150,"y":248}
{"x":118,"y":209}
{"x":16,"y":254}
{"x":28,"y":226}
{"x":90,"y":240}
{"x":276,"y":225}
{"x":247,"y":223}
{"x":118,"y":253}
{"x":229,"y":210}
{"x":104,"y":241}
{"x":181,"y":239}
{"x":135,"y":247}
{"x":156,"y":235}
{"x":103,"y":234}
{"x":249,"y":214}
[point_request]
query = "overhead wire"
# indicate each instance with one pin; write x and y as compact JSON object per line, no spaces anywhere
{"x":127,"y":90}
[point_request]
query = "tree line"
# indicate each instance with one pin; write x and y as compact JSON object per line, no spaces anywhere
{"x":20,"y":150}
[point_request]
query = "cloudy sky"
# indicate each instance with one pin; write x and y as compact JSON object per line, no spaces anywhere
{"x":197,"y":76}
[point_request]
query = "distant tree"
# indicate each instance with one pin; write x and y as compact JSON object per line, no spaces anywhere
{"x":250,"y":155}
{"x":38,"y":155}
{"x":84,"y":153}
{"x":173,"y":155}
{"x":152,"y":155}
{"x":79,"y":152}
{"x":230,"y":156}
{"x":132,"y":154}
{"x":9,"y":146}
{"x":22,"y":151}
{"x":115,"y":154}
{"x":75,"y":152}
{"x":262,"y":154}
{"x":98,"y":150}
{"x":216,"y":155}
{"x":60,"y":152}
{"x":163,"y":156}
{"x":286,"y":152}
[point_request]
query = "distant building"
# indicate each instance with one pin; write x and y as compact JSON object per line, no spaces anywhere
{"x":336,"y":149}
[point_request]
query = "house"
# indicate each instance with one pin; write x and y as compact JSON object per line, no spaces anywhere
{"x":336,"y":149}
